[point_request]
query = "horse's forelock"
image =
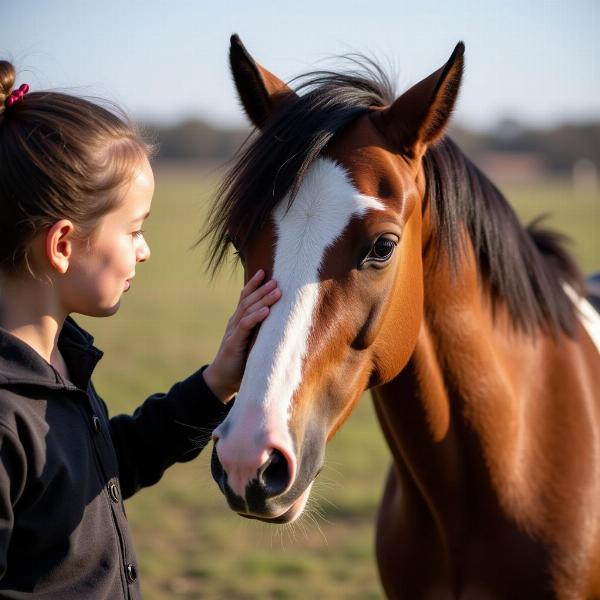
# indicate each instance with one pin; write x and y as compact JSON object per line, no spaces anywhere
{"x":273,"y":162}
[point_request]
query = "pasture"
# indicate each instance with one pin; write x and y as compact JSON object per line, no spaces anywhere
{"x":189,"y":543}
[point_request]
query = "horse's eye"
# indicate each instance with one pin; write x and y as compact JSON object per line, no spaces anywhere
{"x":382,"y":249}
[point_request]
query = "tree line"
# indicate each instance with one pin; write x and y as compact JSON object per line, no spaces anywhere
{"x":558,"y":147}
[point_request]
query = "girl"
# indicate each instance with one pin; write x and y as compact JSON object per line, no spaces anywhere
{"x":75,"y":188}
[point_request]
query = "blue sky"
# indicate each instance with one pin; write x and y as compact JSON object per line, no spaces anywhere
{"x":535,"y":60}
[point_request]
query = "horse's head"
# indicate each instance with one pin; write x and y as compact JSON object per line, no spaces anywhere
{"x":328,"y":200}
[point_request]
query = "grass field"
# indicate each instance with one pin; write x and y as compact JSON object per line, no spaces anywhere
{"x":189,"y":543}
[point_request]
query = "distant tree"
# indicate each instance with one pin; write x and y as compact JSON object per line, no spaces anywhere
{"x":197,"y":140}
{"x":558,"y":148}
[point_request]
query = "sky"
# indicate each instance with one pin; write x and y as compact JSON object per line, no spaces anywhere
{"x":165,"y":60}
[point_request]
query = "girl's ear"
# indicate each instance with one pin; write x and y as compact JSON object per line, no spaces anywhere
{"x":261,"y":92}
{"x":418,"y":118}
{"x":59,"y":245}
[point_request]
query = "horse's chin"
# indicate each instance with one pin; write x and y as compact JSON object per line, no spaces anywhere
{"x":289,"y":515}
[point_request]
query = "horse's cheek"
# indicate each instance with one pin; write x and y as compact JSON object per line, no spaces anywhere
{"x":402,"y":321}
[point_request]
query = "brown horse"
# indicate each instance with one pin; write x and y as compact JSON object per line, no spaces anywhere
{"x":405,"y":271}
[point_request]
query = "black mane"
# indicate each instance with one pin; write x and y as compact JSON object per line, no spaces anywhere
{"x":526,"y":268}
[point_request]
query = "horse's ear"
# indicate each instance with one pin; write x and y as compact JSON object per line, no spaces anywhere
{"x":418,"y":117}
{"x":260,"y":92}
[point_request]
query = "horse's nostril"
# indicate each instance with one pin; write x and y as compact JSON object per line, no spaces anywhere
{"x":216,"y":468}
{"x":274,"y":475}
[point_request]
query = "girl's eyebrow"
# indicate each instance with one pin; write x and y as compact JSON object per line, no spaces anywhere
{"x":140,"y":218}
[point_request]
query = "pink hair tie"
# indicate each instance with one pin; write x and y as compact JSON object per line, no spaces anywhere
{"x":17,"y":95}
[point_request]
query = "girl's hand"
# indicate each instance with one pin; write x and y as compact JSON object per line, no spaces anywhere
{"x":224,"y":375}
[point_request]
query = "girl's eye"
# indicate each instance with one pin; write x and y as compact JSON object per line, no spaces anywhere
{"x":138,"y":234}
{"x":382,"y":250}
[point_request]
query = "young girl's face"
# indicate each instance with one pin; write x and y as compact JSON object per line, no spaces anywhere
{"x":99,"y":274}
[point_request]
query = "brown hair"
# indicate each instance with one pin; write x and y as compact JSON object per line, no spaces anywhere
{"x":60,"y":157}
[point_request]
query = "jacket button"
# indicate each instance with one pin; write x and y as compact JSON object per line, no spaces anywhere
{"x":96,"y":425}
{"x":131,"y":572}
{"x":113,"y":490}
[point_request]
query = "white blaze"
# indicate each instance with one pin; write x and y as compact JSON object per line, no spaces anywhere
{"x":321,"y":211}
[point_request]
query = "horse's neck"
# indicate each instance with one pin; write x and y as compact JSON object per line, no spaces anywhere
{"x":457,"y":411}
{"x":494,"y":433}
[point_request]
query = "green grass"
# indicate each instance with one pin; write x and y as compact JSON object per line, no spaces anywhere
{"x":190,"y":545}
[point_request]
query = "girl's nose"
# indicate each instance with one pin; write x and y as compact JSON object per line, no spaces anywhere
{"x":143,"y":252}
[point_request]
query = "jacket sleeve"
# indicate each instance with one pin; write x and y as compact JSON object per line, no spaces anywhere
{"x":165,"y":429}
{"x":13,"y":473}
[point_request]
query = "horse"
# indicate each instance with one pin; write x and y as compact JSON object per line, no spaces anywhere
{"x":404,"y":271}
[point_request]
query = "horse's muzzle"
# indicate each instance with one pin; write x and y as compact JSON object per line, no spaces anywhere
{"x":270,"y":496}
{"x":260,"y":500}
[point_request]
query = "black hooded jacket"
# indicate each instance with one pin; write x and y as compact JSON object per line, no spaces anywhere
{"x":65,"y":468}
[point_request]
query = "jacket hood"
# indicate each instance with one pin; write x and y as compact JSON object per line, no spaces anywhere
{"x":21,"y":364}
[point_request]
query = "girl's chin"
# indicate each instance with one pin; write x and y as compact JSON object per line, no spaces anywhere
{"x":101,"y":311}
